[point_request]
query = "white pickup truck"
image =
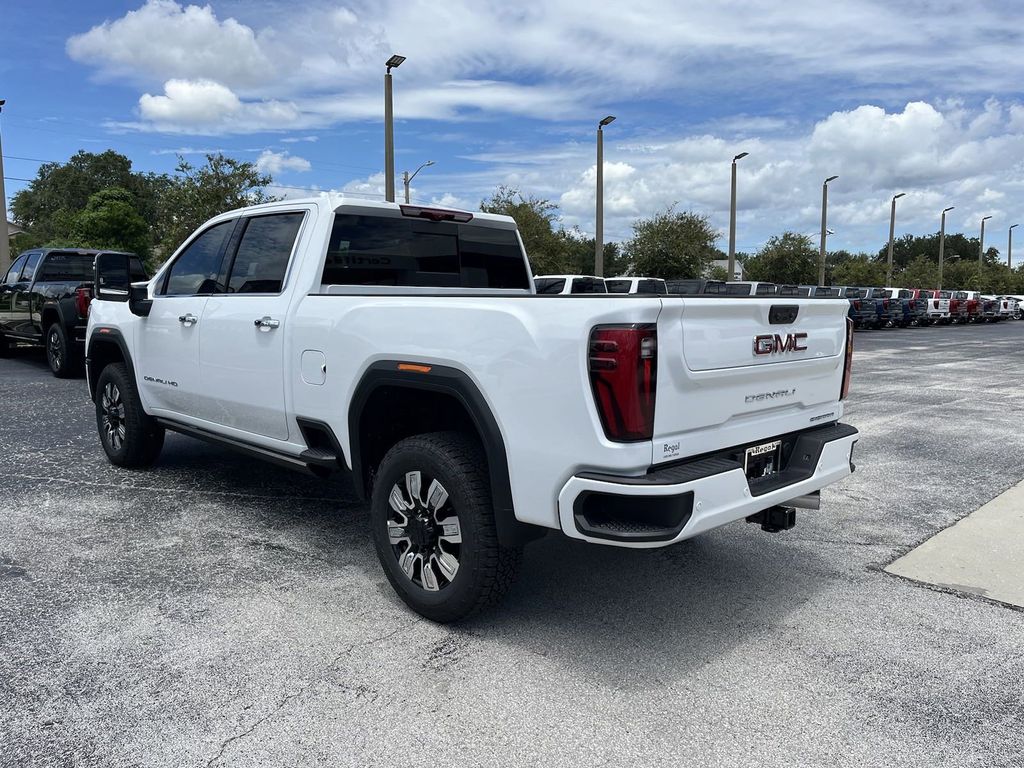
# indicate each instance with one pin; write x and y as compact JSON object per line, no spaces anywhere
{"x":407,"y":346}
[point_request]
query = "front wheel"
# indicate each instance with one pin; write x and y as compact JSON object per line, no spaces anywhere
{"x":130,"y":437}
{"x":434,"y":530}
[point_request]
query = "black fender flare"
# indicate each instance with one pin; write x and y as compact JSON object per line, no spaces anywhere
{"x":455,"y":383}
{"x":105,"y":335}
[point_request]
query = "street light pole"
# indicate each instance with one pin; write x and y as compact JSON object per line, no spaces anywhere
{"x":1009,"y":247}
{"x":599,"y":223}
{"x":942,"y":242}
{"x":732,"y":219}
{"x":407,"y":179}
{"x":389,"y":129}
{"x":892,"y":233}
{"x":824,"y":226}
{"x":981,"y":250}
{"x":5,"y":244}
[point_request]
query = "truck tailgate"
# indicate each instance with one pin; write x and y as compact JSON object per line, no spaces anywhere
{"x":733,"y":371}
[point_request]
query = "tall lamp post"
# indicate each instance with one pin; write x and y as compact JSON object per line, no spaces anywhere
{"x":981,"y":250}
{"x":732,"y":219}
{"x":5,"y":245}
{"x":892,"y":233}
{"x":599,"y":225}
{"x":942,"y":241}
{"x":389,"y":130}
{"x":407,"y":179}
{"x":824,"y":226}
{"x":1009,"y":247}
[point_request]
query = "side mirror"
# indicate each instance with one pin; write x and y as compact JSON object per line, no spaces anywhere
{"x":112,"y":277}
{"x":139,"y":302}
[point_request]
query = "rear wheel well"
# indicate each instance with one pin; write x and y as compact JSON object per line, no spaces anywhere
{"x":49,"y":317}
{"x":102,"y":354}
{"x":393,"y":413}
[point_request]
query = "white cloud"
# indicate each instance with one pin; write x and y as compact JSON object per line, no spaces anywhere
{"x":297,"y":139}
{"x":205,"y":106}
{"x":165,"y":40}
{"x":276,"y":162}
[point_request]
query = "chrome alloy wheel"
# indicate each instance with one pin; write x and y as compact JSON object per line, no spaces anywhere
{"x":53,"y":349}
{"x":113,"y":416}
{"x":425,"y":536}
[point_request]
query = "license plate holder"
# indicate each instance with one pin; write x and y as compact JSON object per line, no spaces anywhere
{"x":762,"y":460}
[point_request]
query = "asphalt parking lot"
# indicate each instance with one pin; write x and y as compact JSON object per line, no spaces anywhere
{"x":215,"y":611}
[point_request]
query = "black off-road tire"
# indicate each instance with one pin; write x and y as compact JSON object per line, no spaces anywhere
{"x":129,"y":436}
{"x":6,"y":348}
{"x":486,"y":570}
{"x":61,"y":354}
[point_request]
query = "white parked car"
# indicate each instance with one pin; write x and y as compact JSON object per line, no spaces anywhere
{"x":636,"y":285}
{"x":407,"y":346}
{"x":566,"y":284}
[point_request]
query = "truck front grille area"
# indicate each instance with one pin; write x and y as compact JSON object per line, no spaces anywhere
{"x":632,"y":518}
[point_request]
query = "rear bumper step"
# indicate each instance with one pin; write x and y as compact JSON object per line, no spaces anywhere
{"x":670,"y":504}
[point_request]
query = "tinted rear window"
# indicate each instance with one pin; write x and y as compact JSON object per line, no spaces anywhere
{"x":737,"y":289}
{"x":793,"y":290}
{"x":549,"y":284}
{"x":384,"y":250}
{"x":77,"y":267}
{"x":618,"y":286}
{"x":826,"y":293}
{"x":588,"y":285}
{"x":684,"y":286}
{"x":854,"y":293}
{"x":765,"y":289}
{"x":651,"y":286}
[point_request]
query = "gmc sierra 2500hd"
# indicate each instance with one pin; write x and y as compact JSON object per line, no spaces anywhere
{"x":407,"y":345}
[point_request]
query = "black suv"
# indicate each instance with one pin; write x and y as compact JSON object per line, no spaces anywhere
{"x":44,"y":300}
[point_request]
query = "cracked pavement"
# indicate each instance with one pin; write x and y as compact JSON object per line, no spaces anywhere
{"x":215,"y":611}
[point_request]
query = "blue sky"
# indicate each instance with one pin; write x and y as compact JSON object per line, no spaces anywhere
{"x":917,"y":97}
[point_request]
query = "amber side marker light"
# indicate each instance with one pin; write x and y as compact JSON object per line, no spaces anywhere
{"x":412,"y":367}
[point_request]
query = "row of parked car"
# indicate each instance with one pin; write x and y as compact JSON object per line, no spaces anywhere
{"x":869,"y":307}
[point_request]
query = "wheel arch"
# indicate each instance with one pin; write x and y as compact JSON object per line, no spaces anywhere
{"x":105,"y":346}
{"x":384,"y":383}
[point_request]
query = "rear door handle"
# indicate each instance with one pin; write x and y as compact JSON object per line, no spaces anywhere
{"x":188,"y":319}
{"x":266,"y":323}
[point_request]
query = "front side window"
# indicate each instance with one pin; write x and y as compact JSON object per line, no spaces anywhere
{"x":263,"y":253}
{"x":393,"y":251}
{"x":30,"y":267}
{"x":15,"y":270}
{"x":549,"y":284}
{"x":195,"y":269}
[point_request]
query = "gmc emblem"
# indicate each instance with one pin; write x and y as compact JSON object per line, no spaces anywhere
{"x":769,"y":344}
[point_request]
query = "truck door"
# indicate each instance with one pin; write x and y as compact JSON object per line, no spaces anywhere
{"x":242,"y":340}
{"x":21,"y":316}
{"x":7,"y":292}
{"x":167,"y":357}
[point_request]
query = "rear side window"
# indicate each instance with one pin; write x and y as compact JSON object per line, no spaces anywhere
{"x":384,"y":250}
{"x":618,"y":286}
{"x":67,"y":267}
{"x":263,"y":253}
{"x":588,"y":285}
{"x":195,"y":269}
{"x":549,"y":284}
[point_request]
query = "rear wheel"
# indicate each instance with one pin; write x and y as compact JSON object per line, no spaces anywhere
{"x":129,"y":436}
{"x":433,"y":527}
{"x":60,"y":353}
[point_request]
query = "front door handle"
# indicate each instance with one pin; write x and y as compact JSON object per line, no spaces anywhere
{"x":266,"y":323}
{"x":188,"y":319}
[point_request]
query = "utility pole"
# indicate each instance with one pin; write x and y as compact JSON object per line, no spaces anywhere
{"x":942,"y":241}
{"x":5,"y":243}
{"x":732,"y":219}
{"x":824,"y":226}
{"x":1009,"y":247}
{"x":389,"y":130}
{"x":892,"y":233}
{"x":599,"y":215}
{"x":407,"y":179}
{"x":981,"y":251}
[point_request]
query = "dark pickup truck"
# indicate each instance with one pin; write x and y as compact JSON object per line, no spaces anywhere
{"x":862,"y":311}
{"x":44,"y":301}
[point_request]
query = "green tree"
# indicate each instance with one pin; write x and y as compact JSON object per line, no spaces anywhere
{"x":787,"y":258}
{"x":48,"y":207}
{"x":671,"y":245}
{"x":908,"y":247}
{"x":861,"y":270}
{"x":922,"y":272}
{"x":536,"y":219}
{"x":110,"y":220}
{"x":197,"y":194}
{"x":718,"y":273}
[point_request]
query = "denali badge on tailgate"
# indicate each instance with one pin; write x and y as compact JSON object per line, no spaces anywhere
{"x":771,"y":343}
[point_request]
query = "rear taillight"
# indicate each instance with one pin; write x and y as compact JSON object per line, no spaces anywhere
{"x":623,"y":364}
{"x":856,"y":304}
{"x":83,"y":297}
{"x":848,"y":361}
